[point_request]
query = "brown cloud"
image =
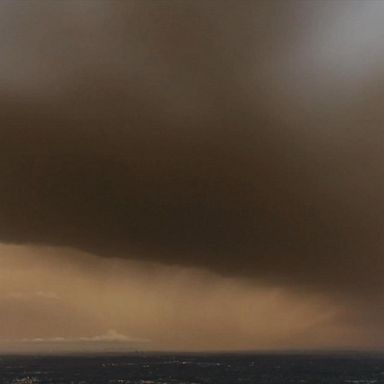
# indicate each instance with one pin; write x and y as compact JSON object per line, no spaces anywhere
{"x":148,"y":306}
{"x":209,"y":134}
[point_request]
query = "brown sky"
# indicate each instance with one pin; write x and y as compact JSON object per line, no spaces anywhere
{"x":191,"y":174}
{"x":62,"y":300}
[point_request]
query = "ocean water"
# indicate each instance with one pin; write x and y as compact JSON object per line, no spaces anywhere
{"x":193,"y":369}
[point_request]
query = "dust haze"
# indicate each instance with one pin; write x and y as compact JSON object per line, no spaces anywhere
{"x":238,"y":139}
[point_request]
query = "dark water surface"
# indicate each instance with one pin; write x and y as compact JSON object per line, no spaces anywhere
{"x":193,"y":368}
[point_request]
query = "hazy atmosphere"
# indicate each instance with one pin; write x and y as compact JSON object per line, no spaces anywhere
{"x":191,"y":175}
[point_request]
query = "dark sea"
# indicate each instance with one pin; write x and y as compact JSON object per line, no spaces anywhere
{"x":193,"y":369}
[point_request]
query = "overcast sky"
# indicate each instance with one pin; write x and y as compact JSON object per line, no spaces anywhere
{"x":191,"y":175}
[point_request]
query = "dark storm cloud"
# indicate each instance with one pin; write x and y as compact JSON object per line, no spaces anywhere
{"x":163,"y":131}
